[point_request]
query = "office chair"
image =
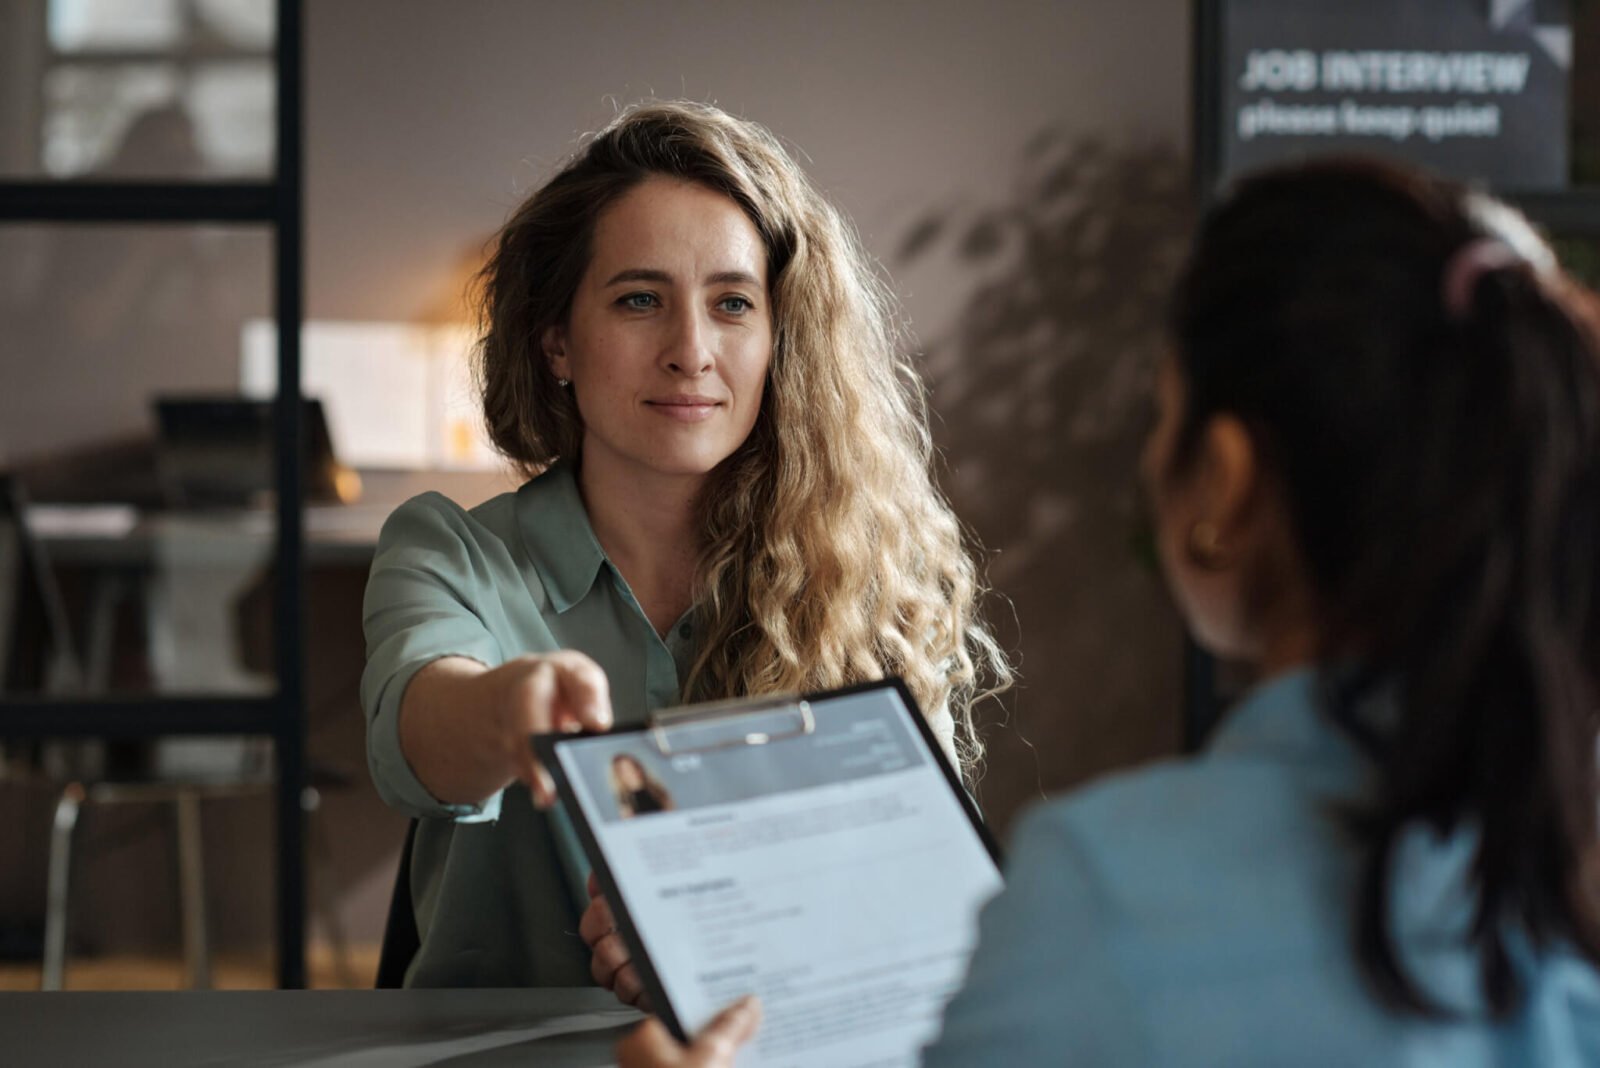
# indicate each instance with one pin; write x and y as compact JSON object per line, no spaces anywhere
{"x":401,"y":939}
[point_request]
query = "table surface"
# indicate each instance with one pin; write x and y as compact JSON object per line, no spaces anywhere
{"x":553,"y":1028}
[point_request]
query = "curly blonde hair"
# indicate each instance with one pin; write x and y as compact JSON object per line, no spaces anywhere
{"x":829,"y":554}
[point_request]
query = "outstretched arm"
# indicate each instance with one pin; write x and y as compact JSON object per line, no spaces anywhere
{"x":464,"y":727}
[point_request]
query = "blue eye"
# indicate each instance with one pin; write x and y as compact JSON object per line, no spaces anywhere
{"x":736,"y":305}
{"x":638,"y":301}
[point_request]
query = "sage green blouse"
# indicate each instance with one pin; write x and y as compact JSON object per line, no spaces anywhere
{"x":498,"y":887}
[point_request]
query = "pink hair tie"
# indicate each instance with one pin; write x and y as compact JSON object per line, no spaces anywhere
{"x":1470,"y":263}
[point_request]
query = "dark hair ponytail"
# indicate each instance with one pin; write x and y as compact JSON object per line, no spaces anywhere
{"x":1440,"y":456}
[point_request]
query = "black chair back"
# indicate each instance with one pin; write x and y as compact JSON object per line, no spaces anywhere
{"x":400,"y":938}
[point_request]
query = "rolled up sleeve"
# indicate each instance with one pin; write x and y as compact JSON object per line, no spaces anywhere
{"x":426,"y":578}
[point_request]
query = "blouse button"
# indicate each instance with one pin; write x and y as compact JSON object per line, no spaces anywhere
{"x":684,"y":631}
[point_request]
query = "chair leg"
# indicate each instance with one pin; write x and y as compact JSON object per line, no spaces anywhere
{"x":192,"y":891}
{"x":68,"y":805}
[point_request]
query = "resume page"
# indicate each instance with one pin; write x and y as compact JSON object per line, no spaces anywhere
{"x":833,"y":874}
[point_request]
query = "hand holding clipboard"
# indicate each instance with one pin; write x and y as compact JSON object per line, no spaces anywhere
{"x":751,"y":880}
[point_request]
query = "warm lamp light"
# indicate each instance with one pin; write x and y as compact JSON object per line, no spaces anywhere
{"x":397,"y":395}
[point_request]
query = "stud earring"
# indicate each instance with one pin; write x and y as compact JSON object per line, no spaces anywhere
{"x":563,"y":382}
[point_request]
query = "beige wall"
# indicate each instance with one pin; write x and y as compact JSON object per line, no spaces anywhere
{"x":423,"y":143}
{"x":21,"y":27}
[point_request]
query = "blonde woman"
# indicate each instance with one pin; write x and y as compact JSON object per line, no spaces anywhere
{"x":688,"y":354}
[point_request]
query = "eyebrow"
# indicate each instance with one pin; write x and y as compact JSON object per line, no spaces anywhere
{"x":650,"y":274}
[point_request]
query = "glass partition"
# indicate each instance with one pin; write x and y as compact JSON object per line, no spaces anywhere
{"x":148,"y":477}
{"x":137,"y":89}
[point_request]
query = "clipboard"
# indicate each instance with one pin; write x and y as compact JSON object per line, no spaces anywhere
{"x":775,"y":767}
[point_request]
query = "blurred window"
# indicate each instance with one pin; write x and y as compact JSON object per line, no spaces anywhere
{"x":77,"y":25}
{"x":158,"y":89}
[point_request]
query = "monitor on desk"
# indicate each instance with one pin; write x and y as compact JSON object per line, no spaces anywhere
{"x":218,"y":451}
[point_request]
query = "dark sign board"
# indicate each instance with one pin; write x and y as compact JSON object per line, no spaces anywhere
{"x":1475,"y":89}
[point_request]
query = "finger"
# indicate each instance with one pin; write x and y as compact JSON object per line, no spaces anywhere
{"x":544,"y":788}
{"x":584,"y":695}
{"x":594,"y":885}
{"x":607,"y":960}
{"x":533,"y":698}
{"x":733,"y":1026}
{"x":596,"y":922}
{"x":628,"y":987}
{"x":650,"y":1045}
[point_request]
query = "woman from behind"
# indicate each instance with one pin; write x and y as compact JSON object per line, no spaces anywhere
{"x":1376,"y":479}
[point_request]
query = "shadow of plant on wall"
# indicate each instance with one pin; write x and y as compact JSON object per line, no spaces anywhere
{"x":1042,"y":389}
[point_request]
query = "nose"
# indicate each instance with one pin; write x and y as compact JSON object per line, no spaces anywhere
{"x":688,"y":350}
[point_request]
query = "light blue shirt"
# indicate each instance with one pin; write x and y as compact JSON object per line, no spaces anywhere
{"x":1200,"y":913}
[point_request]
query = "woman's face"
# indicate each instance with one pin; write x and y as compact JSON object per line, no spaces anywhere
{"x":629,"y":774}
{"x":670,"y":335}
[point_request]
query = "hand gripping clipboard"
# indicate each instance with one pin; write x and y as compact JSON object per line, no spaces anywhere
{"x":705,"y":769}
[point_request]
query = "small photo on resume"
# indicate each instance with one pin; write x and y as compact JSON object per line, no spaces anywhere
{"x":635,"y":788}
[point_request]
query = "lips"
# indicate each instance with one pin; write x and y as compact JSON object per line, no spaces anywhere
{"x":684,"y":400}
{"x":688,"y":407}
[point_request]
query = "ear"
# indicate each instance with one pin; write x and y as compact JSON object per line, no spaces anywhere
{"x":554,"y":343}
{"x":1230,"y":476}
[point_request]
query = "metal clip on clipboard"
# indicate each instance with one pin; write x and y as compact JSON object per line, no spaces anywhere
{"x":726,"y":724}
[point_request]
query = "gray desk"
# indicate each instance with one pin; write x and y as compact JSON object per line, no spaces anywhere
{"x":186,"y":570}
{"x":314,"y":1029}
{"x":338,"y":534}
